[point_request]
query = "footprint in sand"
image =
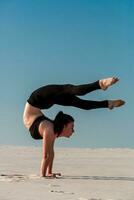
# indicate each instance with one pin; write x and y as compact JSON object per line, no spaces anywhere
{"x":52,"y":185}
{"x":82,"y":198}
{"x":61,"y":192}
{"x":12,"y":177}
{"x":17,"y":177}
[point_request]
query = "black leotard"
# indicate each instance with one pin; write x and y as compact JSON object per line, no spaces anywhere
{"x":65,"y":95}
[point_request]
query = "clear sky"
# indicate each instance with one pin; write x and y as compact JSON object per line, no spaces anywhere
{"x":67,"y":41}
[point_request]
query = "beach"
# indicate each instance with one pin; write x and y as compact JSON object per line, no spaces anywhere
{"x":87,"y":174}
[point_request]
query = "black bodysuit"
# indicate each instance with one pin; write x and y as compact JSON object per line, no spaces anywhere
{"x":66,"y":95}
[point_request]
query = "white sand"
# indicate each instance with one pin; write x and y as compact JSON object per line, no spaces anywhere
{"x":87,"y":174}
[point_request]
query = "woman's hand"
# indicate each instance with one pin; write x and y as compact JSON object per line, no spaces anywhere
{"x":53,"y":175}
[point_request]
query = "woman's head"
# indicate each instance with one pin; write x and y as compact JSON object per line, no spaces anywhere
{"x":63,"y":124}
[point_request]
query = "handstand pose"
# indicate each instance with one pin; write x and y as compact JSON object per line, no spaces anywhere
{"x":48,"y":130}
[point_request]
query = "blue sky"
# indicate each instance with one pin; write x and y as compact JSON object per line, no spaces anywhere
{"x":73,"y":41}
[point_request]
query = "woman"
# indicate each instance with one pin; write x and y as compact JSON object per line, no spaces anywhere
{"x":48,"y":130}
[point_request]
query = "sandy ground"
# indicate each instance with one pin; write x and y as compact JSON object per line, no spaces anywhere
{"x":87,"y":174}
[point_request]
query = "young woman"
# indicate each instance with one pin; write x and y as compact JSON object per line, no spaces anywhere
{"x":48,"y":130}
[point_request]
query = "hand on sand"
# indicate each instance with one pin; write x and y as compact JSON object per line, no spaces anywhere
{"x":53,"y":175}
{"x":105,"y":83}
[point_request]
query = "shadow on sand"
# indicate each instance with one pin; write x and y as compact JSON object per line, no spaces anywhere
{"x":99,"y":178}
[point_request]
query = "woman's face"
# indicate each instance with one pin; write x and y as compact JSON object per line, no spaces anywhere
{"x":68,"y":130}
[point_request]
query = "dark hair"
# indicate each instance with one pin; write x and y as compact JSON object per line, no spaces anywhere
{"x":60,"y":120}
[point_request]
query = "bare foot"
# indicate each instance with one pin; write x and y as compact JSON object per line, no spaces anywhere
{"x":115,"y":103}
{"x":105,"y":83}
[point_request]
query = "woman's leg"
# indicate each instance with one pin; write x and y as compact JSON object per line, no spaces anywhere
{"x":72,"y":100}
{"x":87,"y":88}
{"x":87,"y":104}
{"x":82,"y":89}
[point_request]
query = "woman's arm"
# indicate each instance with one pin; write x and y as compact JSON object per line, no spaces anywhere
{"x":50,"y":165}
{"x":47,"y":157}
